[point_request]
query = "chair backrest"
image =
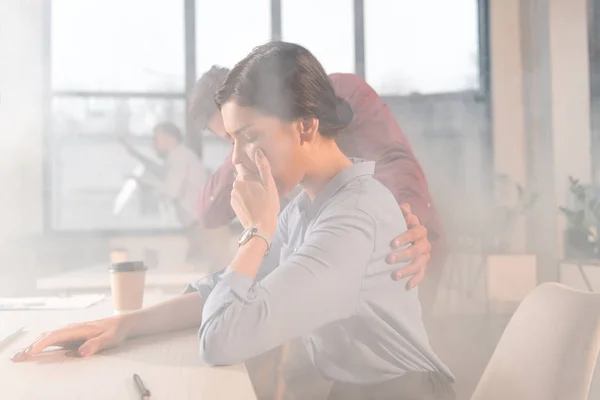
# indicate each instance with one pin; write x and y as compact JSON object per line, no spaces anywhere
{"x":548,"y":350}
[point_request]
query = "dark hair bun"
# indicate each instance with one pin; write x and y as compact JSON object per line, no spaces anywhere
{"x":286,"y":81}
{"x":344,"y":112}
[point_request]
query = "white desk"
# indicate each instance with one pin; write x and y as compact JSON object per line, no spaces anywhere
{"x":168,"y":364}
{"x":96,"y":278}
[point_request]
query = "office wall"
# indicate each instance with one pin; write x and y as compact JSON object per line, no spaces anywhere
{"x":447,"y":133}
{"x":508,"y":130}
{"x":21,"y":116}
{"x":25,"y":252}
{"x":21,"y":144}
{"x":541,"y":99}
{"x":571,"y":122}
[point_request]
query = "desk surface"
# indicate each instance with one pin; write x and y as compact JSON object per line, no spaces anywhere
{"x":97,"y":278}
{"x":168,"y":364}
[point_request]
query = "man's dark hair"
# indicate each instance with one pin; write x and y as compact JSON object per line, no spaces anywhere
{"x":170,"y":129}
{"x":202,"y":104}
{"x":286,"y":81}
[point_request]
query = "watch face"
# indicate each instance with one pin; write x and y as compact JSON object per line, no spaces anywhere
{"x":246,"y":235}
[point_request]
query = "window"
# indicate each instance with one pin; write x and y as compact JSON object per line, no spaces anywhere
{"x":227,"y":30}
{"x":87,"y":176}
{"x":111,"y":116}
{"x":118,"y":45}
{"x":326,"y":28}
{"x":425,"y":46}
{"x":118,"y":68}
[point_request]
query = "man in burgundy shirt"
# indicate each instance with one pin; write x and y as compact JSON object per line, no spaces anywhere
{"x":373,"y":134}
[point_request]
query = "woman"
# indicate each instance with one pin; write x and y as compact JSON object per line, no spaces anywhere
{"x":319,"y":271}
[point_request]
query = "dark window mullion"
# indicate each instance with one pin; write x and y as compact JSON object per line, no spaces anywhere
{"x":483,"y":20}
{"x":190,"y":62}
{"x":359,"y":37}
{"x":276,"y":32}
{"x":47,"y":206}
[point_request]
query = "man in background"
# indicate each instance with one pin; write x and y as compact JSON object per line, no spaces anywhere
{"x":179,"y":180}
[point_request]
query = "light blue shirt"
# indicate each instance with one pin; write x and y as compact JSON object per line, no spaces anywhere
{"x":326,"y":281}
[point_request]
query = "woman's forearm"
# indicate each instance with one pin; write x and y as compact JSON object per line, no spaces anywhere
{"x":249,"y":257}
{"x":182,"y":312}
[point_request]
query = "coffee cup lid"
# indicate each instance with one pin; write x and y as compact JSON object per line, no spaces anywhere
{"x":128,"y":266}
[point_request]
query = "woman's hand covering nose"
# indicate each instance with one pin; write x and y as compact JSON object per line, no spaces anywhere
{"x":255,"y":200}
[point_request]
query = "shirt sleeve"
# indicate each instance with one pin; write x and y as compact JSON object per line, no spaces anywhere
{"x":206,"y":285}
{"x":214,"y":206}
{"x":318,"y":284}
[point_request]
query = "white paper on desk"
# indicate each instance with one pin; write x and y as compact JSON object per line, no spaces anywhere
{"x":50,"y":303}
{"x":127,"y":190}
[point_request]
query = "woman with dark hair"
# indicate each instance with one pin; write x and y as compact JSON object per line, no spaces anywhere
{"x":318,"y":271}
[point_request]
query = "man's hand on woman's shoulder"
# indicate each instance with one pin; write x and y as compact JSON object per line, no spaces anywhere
{"x":417,"y":253}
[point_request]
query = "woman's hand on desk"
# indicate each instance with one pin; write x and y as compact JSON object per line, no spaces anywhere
{"x":88,"y":338}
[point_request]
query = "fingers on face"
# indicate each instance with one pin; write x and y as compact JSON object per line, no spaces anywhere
{"x":238,"y":187}
{"x":262,"y":163}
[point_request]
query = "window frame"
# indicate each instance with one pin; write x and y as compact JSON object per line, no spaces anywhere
{"x":50,"y":137}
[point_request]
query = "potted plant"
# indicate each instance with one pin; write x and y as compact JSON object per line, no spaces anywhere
{"x":510,"y":274}
{"x":582,"y":220}
{"x":580,"y":268}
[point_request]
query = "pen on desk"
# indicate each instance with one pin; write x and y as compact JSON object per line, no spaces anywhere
{"x":13,"y":335}
{"x":141,"y":388}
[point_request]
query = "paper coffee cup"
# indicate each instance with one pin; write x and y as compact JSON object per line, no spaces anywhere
{"x":127,"y":280}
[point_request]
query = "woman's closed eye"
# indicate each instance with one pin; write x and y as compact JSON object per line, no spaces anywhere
{"x":251,"y":139}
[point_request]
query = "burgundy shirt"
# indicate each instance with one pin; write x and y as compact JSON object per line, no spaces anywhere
{"x":373,"y":134}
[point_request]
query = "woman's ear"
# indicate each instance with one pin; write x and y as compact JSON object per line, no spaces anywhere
{"x":308,"y":129}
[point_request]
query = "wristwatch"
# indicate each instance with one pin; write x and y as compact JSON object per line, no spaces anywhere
{"x":251,"y":232}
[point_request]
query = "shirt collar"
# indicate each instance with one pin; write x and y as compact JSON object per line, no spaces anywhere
{"x":357,"y":169}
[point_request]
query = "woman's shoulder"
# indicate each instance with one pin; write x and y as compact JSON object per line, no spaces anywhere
{"x":370,"y":196}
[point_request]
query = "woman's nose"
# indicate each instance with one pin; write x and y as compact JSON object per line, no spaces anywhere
{"x":240,"y":155}
{"x":237,"y":156}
